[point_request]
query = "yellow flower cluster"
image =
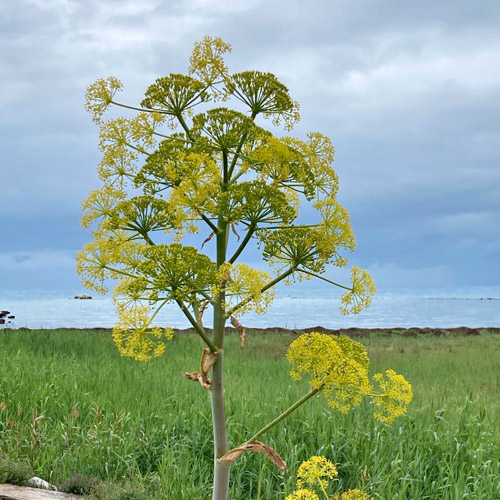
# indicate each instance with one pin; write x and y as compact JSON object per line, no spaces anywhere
{"x":100,"y":204}
{"x":99,"y":96}
{"x":134,"y":337}
{"x":93,"y":263}
{"x":333,"y":232}
{"x":395,"y":395}
{"x":352,"y":495}
{"x":361,"y":293}
{"x":317,"y":472}
{"x":207,"y":61}
{"x":338,"y":367}
{"x":243,"y":288}
{"x":302,"y":494}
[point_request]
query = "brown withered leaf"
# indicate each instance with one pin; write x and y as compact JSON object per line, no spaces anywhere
{"x":74,"y":413}
{"x":241,"y":332}
{"x":233,"y":227}
{"x":204,"y":381}
{"x":257,"y":447}
{"x":212,"y":234}
{"x":208,"y":358}
{"x":202,"y":310}
{"x":3,"y":406}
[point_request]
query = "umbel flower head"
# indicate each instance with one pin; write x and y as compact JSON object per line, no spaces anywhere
{"x":316,"y":470}
{"x":316,"y":474}
{"x":338,"y":368}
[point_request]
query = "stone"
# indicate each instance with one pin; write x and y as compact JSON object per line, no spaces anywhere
{"x":12,"y":492}
{"x":36,"y":482}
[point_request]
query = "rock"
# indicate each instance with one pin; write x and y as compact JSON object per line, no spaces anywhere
{"x":12,"y":492}
{"x":36,"y":482}
{"x":83,"y":296}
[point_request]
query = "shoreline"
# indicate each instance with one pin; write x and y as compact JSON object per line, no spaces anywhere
{"x":351,"y":332}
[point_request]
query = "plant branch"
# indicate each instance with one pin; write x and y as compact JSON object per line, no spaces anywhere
{"x":246,"y":239}
{"x":263,"y":289}
{"x":199,"y":330}
{"x":285,"y":414}
{"x":212,"y":226}
{"x":147,"y":110}
{"x":324,"y":279}
{"x":240,"y":147}
{"x":184,"y":126}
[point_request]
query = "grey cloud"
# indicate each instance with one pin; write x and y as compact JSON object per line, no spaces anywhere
{"x":20,"y":258}
{"x":409,"y":93}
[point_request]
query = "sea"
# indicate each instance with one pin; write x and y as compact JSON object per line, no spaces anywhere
{"x":475,"y":307}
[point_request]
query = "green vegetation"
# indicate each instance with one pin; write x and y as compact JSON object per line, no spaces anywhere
{"x":14,"y":471}
{"x":71,"y":406}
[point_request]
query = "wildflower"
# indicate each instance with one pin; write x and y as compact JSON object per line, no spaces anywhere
{"x":352,"y":495}
{"x":314,"y":471}
{"x":99,"y":96}
{"x":302,"y":494}
{"x":396,"y":394}
{"x":336,"y":366}
{"x":243,"y":288}
{"x":360,"y":295}
{"x":207,"y":63}
{"x":134,"y":338}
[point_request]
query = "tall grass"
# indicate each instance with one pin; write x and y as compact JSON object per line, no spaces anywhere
{"x":72,"y":405}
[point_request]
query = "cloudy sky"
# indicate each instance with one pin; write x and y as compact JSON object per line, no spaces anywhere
{"x":409,"y":92}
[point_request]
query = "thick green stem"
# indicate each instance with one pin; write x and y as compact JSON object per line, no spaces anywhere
{"x":285,"y":414}
{"x":221,"y":469}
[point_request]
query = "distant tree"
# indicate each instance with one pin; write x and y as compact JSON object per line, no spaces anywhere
{"x":168,"y":171}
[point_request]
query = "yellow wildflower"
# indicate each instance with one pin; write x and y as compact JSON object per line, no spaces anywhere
{"x":361,"y":293}
{"x":207,"y":63}
{"x":352,"y":495}
{"x":337,"y":365}
{"x":243,"y":288}
{"x":99,"y":96}
{"x":314,"y":471}
{"x":396,"y":394}
{"x":302,"y":494}
{"x":134,"y":337}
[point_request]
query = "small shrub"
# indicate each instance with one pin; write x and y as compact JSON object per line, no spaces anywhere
{"x":79,"y":484}
{"x":123,"y":491}
{"x":14,"y":471}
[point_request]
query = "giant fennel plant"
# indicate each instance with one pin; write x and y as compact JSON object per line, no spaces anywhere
{"x":185,"y":164}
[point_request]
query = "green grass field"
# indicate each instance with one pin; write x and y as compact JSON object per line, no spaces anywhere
{"x":72,"y":405}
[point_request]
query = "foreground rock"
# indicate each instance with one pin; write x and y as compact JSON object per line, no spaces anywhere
{"x":36,"y":482}
{"x":11,"y":492}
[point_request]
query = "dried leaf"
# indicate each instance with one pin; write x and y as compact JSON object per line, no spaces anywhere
{"x":202,"y":310}
{"x":74,"y":413}
{"x":204,"y":381}
{"x":3,"y":406}
{"x":257,"y":447}
{"x":212,"y":234}
{"x":241,"y":332}
{"x":233,"y":227}
{"x":208,"y":358}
